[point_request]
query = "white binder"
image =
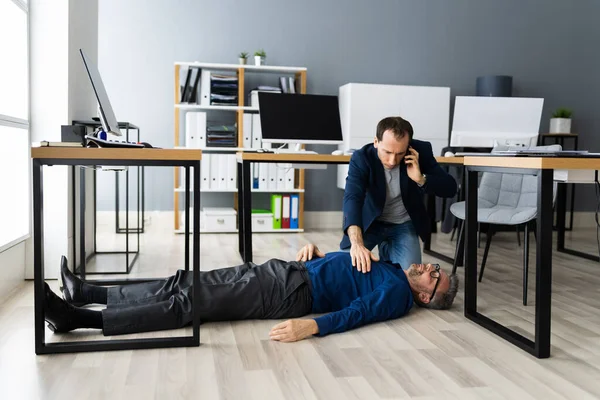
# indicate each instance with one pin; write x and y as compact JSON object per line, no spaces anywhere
{"x":205,"y":87}
{"x":214,"y":172}
{"x":223,"y":171}
{"x":263,"y":176}
{"x":281,"y":175}
{"x":247,"y":127}
{"x":195,"y":130}
{"x":256,"y":132}
{"x":231,"y":172}
{"x":290,"y":177}
{"x":272,"y":176}
{"x":205,"y":172}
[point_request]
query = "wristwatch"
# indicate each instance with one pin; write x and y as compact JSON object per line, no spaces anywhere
{"x":424,"y":181}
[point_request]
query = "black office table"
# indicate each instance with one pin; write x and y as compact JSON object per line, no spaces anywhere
{"x":544,"y":168}
{"x":48,"y":156}
{"x":244,"y":176}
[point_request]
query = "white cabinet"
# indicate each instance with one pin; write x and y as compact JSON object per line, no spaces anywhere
{"x":362,"y":106}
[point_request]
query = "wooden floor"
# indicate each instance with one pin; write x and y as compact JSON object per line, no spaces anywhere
{"x":425,"y":355}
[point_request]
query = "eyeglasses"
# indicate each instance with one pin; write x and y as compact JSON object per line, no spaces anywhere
{"x":435,"y":274}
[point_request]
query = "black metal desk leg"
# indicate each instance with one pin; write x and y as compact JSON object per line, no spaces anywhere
{"x":196,"y":267}
{"x":561,"y":209}
{"x":38,"y":255}
{"x":82,"y":259}
{"x":127,"y":217}
{"x":186,"y":214}
{"x":240,"y":211}
{"x":543,"y":265}
{"x":247,"y":216}
{"x":471,"y":243}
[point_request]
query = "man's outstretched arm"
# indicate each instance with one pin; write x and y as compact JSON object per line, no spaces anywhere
{"x":293,"y":330}
{"x":387,"y":301}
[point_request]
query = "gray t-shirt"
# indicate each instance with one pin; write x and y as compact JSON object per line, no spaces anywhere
{"x":394,"y":211}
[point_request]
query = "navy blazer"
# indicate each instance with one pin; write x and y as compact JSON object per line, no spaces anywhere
{"x":365,"y":193}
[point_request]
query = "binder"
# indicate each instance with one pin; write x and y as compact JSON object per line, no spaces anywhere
{"x":223,"y":171}
{"x":256,"y":144}
{"x":185,"y":90}
{"x":263,"y":176}
{"x":272,"y":176}
{"x":193,"y":96}
{"x":205,"y":172}
{"x":276,"y":210}
{"x":281,"y":172}
{"x":214,"y":172}
{"x":285,"y":211}
{"x":294,"y":210}
{"x":231,"y":172}
{"x":247,"y":127}
{"x":205,"y":88}
{"x":195,"y":130}
{"x":290,"y":179}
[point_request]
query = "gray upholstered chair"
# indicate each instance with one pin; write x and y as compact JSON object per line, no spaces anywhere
{"x":504,"y":199}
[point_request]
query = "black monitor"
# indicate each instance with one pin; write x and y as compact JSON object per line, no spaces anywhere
{"x":107,"y":116}
{"x":299,"y":118}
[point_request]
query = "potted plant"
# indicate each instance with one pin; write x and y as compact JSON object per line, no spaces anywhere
{"x":242,"y":57}
{"x":259,"y":57}
{"x":561,"y":121}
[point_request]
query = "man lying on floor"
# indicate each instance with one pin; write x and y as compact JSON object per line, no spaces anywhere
{"x":315,"y":283}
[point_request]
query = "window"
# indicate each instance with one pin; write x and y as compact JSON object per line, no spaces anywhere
{"x":14,"y":122}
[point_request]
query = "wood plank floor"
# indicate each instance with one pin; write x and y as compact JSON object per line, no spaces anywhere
{"x":425,"y":355}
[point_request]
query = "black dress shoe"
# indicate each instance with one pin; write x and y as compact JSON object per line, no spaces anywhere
{"x":71,"y":287}
{"x":57,"y":312}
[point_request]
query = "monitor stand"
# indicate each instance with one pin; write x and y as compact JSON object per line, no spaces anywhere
{"x":296,"y":150}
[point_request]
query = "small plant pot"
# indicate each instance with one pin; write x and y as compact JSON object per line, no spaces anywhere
{"x":242,"y":61}
{"x":560,"y":125}
{"x":258,"y":60}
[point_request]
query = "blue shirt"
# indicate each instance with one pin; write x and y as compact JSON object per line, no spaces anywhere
{"x":352,"y":298}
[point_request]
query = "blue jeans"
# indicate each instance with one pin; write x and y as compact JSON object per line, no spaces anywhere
{"x":398,"y":243}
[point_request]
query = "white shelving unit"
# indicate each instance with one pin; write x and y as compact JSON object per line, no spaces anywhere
{"x":239,"y":109}
{"x":181,"y":190}
{"x":180,"y":231}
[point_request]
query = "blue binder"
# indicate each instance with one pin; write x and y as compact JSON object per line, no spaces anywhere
{"x":294,"y":209}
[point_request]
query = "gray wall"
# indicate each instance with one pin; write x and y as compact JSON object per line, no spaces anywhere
{"x":548,"y":46}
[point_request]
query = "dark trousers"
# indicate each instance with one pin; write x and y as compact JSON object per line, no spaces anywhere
{"x":275,"y":289}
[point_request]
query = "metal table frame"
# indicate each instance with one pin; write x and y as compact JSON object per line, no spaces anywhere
{"x":540,"y":346}
{"x":41,"y":347}
{"x":561,"y":210}
{"x":245,"y":191}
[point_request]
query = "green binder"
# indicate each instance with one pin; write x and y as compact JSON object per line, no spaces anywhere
{"x":276,"y":210}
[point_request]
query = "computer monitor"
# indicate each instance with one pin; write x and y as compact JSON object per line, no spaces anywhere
{"x":299,"y":118}
{"x":107,"y":116}
{"x":486,"y":121}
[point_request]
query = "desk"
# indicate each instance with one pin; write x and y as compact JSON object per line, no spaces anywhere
{"x":543,"y":167}
{"x":117,"y":156}
{"x":458,"y":161}
{"x":244,"y":187}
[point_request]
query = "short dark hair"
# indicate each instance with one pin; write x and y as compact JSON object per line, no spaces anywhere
{"x":441,"y":301}
{"x":398,"y":125}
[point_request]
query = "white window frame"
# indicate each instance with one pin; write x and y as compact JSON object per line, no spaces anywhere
{"x":13,"y":122}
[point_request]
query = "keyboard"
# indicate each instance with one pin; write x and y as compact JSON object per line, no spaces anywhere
{"x":97,"y":142}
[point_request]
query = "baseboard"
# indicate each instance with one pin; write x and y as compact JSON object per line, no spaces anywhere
{"x":319,"y":220}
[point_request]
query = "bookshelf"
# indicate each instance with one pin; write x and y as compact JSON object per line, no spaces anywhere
{"x":181,"y":108}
